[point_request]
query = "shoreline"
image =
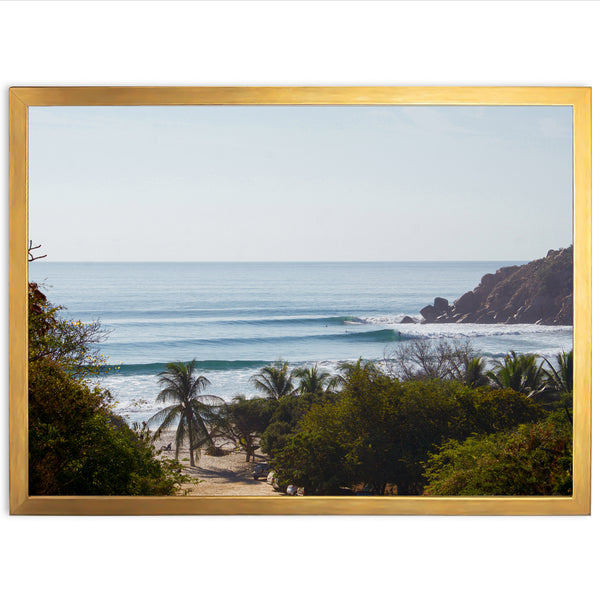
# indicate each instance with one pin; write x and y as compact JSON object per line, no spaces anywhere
{"x":135,"y":393}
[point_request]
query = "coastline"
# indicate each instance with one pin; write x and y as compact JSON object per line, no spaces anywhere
{"x":136,"y":391}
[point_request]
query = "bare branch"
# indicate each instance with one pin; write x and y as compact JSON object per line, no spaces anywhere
{"x":423,"y":359}
{"x":29,"y":252}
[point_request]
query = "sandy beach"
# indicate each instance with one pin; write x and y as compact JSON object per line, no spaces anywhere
{"x":228,"y":475}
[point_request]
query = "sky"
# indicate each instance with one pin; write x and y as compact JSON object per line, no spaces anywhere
{"x":300,"y":183}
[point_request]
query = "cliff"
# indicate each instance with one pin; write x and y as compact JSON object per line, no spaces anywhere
{"x":539,"y":292}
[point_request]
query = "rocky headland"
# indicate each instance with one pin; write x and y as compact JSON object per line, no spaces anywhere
{"x":539,"y":292}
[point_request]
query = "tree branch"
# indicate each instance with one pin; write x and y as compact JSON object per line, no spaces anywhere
{"x":29,"y":252}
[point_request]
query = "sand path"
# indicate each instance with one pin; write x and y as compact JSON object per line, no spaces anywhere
{"x":228,"y":475}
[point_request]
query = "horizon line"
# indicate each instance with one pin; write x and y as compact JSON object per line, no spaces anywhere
{"x":99,"y":261}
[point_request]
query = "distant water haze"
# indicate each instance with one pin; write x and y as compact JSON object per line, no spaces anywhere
{"x":235,"y":318}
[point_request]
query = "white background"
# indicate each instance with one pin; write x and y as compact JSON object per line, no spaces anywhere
{"x":304,"y":43}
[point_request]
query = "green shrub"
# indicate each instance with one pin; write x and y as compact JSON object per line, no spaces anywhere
{"x":381,"y":431}
{"x":77,"y":446}
{"x":535,"y":459}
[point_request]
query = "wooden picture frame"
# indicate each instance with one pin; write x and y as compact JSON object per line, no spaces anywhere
{"x":22,"y":98}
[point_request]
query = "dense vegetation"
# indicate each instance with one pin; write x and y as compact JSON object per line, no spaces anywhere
{"x":436,"y":422}
{"x":77,"y":445}
{"x":534,"y":459}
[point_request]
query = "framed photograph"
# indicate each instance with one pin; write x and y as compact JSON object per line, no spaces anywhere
{"x":292,"y":300}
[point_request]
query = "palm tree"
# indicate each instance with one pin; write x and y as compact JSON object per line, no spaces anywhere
{"x":474,"y":375}
{"x":274,"y":380}
{"x":192,"y":410}
{"x":348,"y":370}
{"x":314,"y":380}
{"x":521,"y":373}
{"x":560,"y":381}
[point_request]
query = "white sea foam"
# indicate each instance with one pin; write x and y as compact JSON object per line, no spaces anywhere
{"x":458,"y":330}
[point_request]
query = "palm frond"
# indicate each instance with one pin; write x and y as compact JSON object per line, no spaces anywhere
{"x":561,"y":379}
{"x":164,"y":416}
{"x":210,"y":400}
{"x":335,"y":382}
{"x":199,"y":384}
{"x":521,"y":373}
{"x":313,"y":380}
{"x":274,"y":380}
{"x":168,"y":394}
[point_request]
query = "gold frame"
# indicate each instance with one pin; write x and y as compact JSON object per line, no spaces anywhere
{"x":21,"y":98}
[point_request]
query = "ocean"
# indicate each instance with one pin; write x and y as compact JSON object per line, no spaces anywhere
{"x":235,"y":318}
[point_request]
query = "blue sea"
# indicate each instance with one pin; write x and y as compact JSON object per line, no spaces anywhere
{"x":234,"y":318}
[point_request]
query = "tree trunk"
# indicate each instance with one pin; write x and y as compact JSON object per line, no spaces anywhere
{"x":192,"y":463}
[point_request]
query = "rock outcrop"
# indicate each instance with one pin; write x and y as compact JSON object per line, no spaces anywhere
{"x":538,"y":292}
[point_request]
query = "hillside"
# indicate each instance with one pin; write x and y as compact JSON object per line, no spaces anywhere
{"x":538,"y":292}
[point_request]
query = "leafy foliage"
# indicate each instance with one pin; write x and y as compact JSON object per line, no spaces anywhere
{"x":285,"y":419}
{"x":244,"y":420}
{"x":380,"y":431}
{"x":77,"y":446}
{"x":70,"y":344}
{"x":535,"y":459}
{"x":314,"y":461}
